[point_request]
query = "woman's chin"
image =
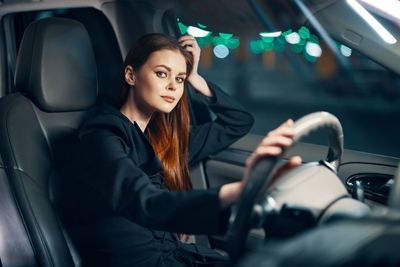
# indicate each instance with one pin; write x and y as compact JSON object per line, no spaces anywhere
{"x":166,"y":109}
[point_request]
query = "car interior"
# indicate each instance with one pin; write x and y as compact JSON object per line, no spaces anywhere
{"x":67,"y":55}
{"x":40,"y":119}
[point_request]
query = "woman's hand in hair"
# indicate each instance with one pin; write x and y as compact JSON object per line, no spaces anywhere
{"x":189,"y":43}
{"x":272,"y":145}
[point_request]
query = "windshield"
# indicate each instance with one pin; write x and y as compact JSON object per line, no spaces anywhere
{"x":293,"y":69}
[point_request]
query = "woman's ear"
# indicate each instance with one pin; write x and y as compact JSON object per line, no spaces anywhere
{"x":129,"y":75}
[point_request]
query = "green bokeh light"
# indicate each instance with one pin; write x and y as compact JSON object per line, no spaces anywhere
{"x":225,"y":36}
{"x":286,"y":33}
{"x":304,"y":32}
{"x":205,"y":41}
{"x":280,"y":44}
{"x":297,"y":48}
{"x":256,"y":46}
{"x":267,"y":39}
{"x":218,"y":40}
{"x":309,"y":58}
{"x":313,"y":39}
{"x":221,"y":38}
{"x":233,"y":43}
{"x":265,"y":43}
{"x":268,"y":46}
{"x":182,"y":27}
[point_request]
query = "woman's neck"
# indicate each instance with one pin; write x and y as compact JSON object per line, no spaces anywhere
{"x":131,"y":111}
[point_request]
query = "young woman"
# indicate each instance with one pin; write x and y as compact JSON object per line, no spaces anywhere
{"x":133,"y":193}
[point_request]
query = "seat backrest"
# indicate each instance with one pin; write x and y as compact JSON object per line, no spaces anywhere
{"x":57,"y":85}
{"x":15,"y":248}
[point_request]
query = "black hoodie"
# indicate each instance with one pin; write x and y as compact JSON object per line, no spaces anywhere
{"x":122,"y":214}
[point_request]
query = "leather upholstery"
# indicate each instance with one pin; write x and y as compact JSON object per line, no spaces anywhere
{"x":15,"y":249}
{"x":57,"y":77}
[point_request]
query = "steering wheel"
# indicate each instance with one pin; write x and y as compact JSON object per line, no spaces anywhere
{"x":262,"y":172}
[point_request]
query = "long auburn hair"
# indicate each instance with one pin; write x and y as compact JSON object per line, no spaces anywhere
{"x":168,"y":132}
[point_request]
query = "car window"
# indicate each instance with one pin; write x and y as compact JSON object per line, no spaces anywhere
{"x":292,"y":72}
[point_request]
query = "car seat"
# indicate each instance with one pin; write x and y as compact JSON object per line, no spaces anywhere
{"x":56,"y":85}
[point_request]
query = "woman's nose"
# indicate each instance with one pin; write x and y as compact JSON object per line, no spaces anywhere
{"x":172,"y":85}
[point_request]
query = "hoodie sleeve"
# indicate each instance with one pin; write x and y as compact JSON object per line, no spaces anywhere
{"x":231,"y":123}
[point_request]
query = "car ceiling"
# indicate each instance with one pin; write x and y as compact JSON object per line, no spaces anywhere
{"x":221,"y":15}
{"x":239,"y":17}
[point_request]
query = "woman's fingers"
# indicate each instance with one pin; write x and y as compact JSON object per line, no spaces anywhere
{"x":192,"y":50}
{"x":277,"y":140}
{"x":185,"y":38}
{"x":274,"y":143}
{"x":292,"y":163}
{"x":263,"y":151}
{"x":285,"y":129}
{"x":188,"y":41}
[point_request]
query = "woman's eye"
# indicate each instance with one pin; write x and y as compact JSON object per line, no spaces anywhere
{"x":180,"y":79}
{"x":161,"y":74}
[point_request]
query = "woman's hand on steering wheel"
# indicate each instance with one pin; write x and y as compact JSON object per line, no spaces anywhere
{"x":273,"y":144}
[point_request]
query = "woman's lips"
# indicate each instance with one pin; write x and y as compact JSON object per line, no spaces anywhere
{"x":169,"y":99}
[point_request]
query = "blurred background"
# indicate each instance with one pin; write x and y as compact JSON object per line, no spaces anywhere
{"x":291,"y":70}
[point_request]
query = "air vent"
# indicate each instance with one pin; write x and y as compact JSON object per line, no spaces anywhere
{"x":376,"y":186}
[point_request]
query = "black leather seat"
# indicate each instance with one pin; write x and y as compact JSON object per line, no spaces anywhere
{"x":57,"y":86}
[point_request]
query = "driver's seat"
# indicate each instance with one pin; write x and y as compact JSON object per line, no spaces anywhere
{"x":57,"y":85}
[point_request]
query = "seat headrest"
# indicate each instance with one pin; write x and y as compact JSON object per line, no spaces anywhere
{"x":56,"y":66}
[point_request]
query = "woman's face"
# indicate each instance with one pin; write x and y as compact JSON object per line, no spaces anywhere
{"x":158,"y":85}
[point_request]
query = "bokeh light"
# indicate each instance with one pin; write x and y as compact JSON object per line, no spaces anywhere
{"x":197,"y":32}
{"x":221,"y":51}
{"x":346,"y":51}
{"x":313,"y":49}
{"x":293,"y":38}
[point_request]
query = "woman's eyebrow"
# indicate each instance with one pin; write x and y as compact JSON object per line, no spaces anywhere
{"x":164,"y":66}
{"x":169,"y":69}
